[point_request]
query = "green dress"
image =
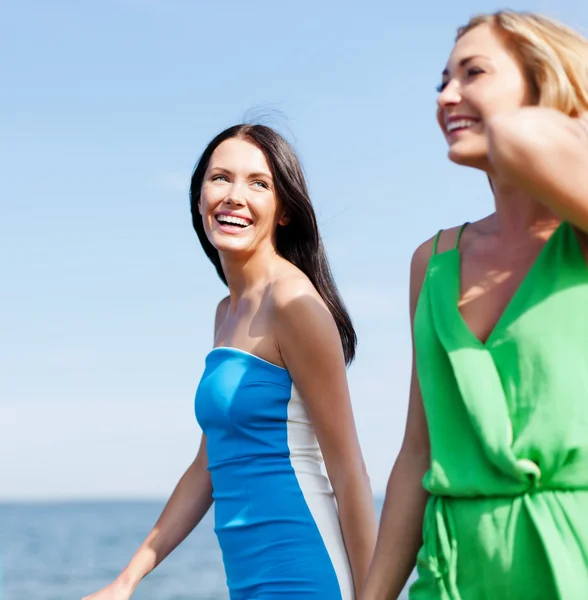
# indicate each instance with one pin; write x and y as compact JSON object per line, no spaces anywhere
{"x":507,"y":517}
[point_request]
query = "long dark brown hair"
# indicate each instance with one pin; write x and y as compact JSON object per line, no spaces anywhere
{"x":299,"y":241}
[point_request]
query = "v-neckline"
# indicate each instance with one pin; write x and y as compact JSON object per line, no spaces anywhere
{"x":513,"y":299}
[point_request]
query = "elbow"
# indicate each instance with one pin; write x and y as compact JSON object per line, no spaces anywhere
{"x":348,"y":482}
{"x":415,"y":456}
{"x":365,"y":480}
{"x":362,"y":472}
{"x":506,"y":140}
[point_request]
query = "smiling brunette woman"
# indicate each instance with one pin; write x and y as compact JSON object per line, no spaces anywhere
{"x":498,"y":412}
{"x":273,"y":400}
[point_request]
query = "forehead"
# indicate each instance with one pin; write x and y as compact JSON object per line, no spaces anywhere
{"x":237,"y":154}
{"x":482,"y":41}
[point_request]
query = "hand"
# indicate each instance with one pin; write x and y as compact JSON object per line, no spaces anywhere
{"x":583,"y":121}
{"x":114,"y":591}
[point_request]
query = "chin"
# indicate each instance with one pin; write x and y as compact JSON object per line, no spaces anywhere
{"x":220,"y":242}
{"x":468,"y":157}
{"x":229,"y":246}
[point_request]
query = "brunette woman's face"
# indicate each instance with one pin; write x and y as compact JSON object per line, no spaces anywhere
{"x":238,"y":203}
{"x":482,"y":78}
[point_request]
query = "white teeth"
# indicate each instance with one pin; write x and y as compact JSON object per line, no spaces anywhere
{"x":230,"y":220}
{"x":461,"y":124}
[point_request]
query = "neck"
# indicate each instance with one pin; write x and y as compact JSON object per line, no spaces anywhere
{"x":517,"y":211}
{"x":247,"y":272}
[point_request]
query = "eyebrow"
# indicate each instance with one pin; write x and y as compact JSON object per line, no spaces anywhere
{"x":255,"y":175}
{"x":463,"y":62}
{"x":260,"y":174}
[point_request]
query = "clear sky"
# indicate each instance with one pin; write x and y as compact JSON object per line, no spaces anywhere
{"x":107,"y":300}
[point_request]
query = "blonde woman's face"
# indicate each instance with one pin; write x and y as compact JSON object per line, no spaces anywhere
{"x":482,"y":78}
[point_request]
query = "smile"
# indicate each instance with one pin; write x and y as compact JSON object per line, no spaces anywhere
{"x":233,"y":221}
{"x":460,"y":124}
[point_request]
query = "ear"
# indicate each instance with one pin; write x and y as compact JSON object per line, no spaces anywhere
{"x":284,"y":219}
{"x":199,"y":206}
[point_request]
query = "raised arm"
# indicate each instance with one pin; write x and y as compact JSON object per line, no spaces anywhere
{"x":400,"y":533}
{"x":189,"y":502}
{"x":311,"y":349}
{"x":545,"y":153}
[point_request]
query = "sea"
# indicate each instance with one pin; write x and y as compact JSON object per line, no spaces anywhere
{"x":67,"y":550}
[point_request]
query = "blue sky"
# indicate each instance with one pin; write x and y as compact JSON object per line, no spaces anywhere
{"x":107,"y":299}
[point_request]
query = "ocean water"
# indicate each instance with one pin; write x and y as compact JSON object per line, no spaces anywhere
{"x":66,"y":550}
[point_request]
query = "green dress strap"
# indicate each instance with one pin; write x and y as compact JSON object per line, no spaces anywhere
{"x":436,"y":241}
{"x":459,"y":234}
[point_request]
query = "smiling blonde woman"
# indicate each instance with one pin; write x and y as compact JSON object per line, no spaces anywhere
{"x":489,"y":494}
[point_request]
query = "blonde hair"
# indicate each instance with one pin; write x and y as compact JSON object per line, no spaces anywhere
{"x":554,"y":57}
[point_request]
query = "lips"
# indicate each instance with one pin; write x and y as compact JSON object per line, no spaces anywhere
{"x":231,"y":220}
{"x":460,"y":123}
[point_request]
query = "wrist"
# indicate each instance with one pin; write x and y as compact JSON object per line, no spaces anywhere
{"x":128,"y":581}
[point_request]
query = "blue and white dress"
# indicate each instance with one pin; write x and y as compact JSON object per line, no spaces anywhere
{"x":275,"y":512}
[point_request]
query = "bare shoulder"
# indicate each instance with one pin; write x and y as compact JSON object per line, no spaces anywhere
{"x":418,"y":270}
{"x":304,"y":326}
{"x":295,"y":300}
{"x":421,"y":257}
{"x":446,"y":240}
{"x":294,"y":286}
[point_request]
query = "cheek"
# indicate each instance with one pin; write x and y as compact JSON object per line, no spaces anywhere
{"x":509,"y":94}
{"x":439,"y":116}
{"x":206,"y":202}
{"x":265,"y":209}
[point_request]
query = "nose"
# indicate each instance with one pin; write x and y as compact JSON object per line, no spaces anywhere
{"x":450,"y":95}
{"x":236,"y":195}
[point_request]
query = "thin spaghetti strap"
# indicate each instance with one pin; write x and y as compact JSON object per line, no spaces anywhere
{"x":459,"y":234}
{"x":436,"y":241}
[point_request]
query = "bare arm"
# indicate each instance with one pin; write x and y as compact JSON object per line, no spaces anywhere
{"x":189,"y":502}
{"x":314,"y":357}
{"x":545,"y":153}
{"x":400,"y":533}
